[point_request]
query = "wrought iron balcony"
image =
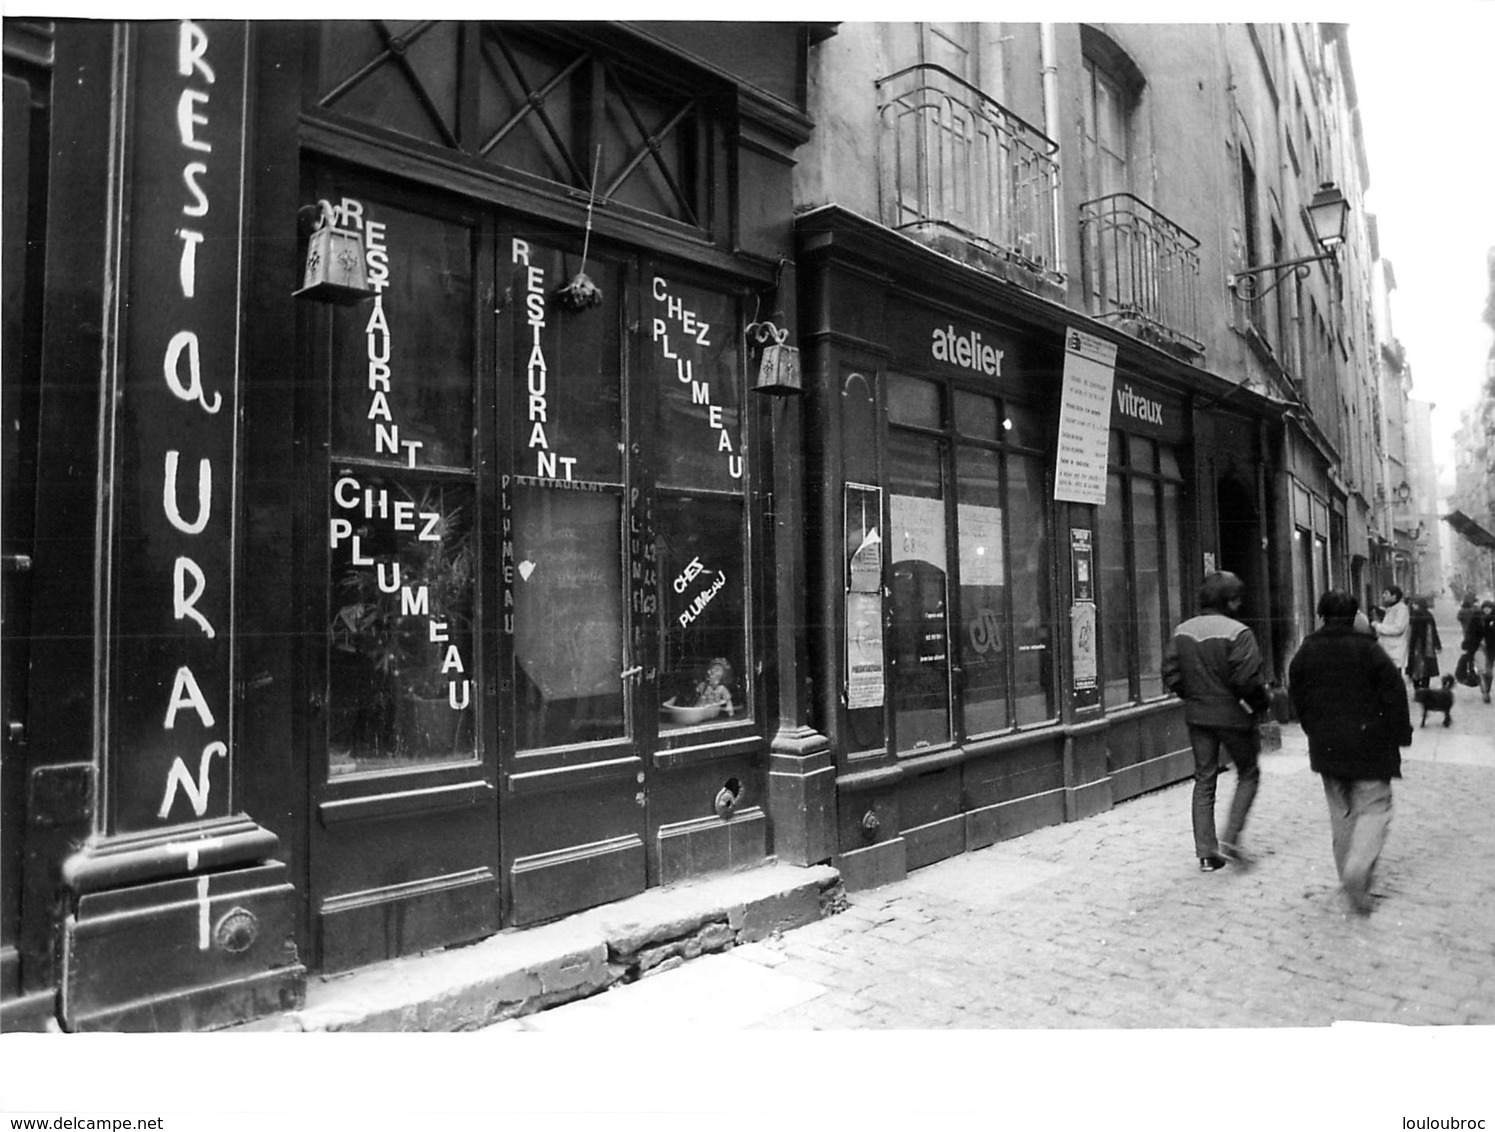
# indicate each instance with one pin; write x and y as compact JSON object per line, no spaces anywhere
{"x":1142,"y":269}
{"x":955,"y":163}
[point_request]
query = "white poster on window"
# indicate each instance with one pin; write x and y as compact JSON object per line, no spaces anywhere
{"x":1082,"y":643}
{"x":864,"y":681}
{"x":980,"y":534}
{"x":918,"y":529}
{"x":1084,"y":419}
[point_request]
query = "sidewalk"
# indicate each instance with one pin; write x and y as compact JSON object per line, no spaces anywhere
{"x":1107,"y":923}
{"x":520,"y":972}
{"x":1104,"y":922}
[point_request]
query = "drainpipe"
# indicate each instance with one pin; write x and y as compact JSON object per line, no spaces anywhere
{"x":1048,"y":55}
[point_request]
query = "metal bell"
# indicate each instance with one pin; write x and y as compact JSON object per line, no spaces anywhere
{"x":335,"y":268}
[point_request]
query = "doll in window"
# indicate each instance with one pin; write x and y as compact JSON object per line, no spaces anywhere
{"x":716,"y":686}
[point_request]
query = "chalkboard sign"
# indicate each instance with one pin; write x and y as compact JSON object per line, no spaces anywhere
{"x":568,"y":613}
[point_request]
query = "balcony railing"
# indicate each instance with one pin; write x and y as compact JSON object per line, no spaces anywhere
{"x":1139,"y":267}
{"x":956,"y":163}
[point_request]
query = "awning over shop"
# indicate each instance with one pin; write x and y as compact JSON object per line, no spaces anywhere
{"x":1470,"y":529}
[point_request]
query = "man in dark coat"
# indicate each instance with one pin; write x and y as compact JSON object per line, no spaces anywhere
{"x":1214,"y":664}
{"x":1479,"y":633}
{"x":1352,"y":703}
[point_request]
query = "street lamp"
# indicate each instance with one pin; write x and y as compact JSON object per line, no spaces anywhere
{"x":1328,"y":215}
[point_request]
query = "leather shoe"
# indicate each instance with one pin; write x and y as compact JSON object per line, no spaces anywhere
{"x":1211,"y":863}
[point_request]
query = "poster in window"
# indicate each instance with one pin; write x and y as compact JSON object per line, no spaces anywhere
{"x":1083,"y":560}
{"x":864,"y":652}
{"x":1084,"y":419}
{"x":980,"y":534}
{"x":918,"y":525}
{"x":863,"y":538}
{"x":1082,"y":640}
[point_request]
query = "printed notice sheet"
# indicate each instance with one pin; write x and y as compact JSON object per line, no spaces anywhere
{"x":1084,"y":419}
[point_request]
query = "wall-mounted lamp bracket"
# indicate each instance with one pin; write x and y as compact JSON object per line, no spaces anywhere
{"x":1244,"y":284}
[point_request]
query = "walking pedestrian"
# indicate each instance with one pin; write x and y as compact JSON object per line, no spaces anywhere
{"x":1423,"y":644}
{"x":1213,"y":663}
{"x":1352,"y":704}
{"x":1480,"y":634}
{"x":1468,"y":608}
{"x":1391,"y":629}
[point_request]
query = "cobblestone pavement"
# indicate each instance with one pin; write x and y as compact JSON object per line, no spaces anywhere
{"x":1107,"y":923}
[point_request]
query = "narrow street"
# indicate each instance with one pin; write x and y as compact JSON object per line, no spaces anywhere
{"x":1108,"y":924}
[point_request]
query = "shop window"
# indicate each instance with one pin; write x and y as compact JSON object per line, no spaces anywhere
{"x":568,"y":616}
{"x":401,"y":656}
{"x":1032,"y":569}
{"x":920,"y":650}
{"x":596,"y":493}
{"x":402,"y":530}
{"x":1117,"y":625}
{"x":1140,"y":563}
{"x":402,"y":368}
{"x":700,"y":518}
{"x":972,"y":609}
{"x":703,"y":602}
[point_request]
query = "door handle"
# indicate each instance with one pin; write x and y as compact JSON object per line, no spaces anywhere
{"x":630,"y":672}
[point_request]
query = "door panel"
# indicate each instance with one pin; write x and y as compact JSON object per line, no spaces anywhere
{"x":404,"y":831}
{"x":575,"y":797}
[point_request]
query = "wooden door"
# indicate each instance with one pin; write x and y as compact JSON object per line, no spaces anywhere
{"x":403,"y":764}
{"x":571,"y":645}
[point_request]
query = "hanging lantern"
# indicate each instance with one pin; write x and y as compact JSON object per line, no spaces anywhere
{"x":778,"y":370}
{"x":335,"y":267}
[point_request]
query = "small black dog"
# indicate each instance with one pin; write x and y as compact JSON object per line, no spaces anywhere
{"x":1436,"y":699}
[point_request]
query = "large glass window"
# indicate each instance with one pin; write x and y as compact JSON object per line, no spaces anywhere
{"x":1140,"y":556}
{"x":972,"y":606}
{"x":921,"y":622}
{"x":605,"y":487}
{"x":568,"y":616}
{"x":700,"y":517}
{"x":1116,"y":622}
{"x":402,"y":524}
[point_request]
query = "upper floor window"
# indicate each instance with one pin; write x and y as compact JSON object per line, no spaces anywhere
{"x":1104,"y":120}
{"x":953,"y":46}
{"x":1112,"y":83}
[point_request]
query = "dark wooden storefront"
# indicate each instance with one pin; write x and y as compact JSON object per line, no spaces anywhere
{"x":459,"y":600}
{"x":971,"y":713}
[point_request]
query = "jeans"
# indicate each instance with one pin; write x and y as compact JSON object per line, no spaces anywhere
{"x":1359,"y":819}
{"x":1242,"y":746}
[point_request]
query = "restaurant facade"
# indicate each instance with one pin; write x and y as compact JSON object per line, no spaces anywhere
{"x":401,"y":563}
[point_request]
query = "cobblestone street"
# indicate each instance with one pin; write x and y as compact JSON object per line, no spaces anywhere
{"x":1109,"y":923}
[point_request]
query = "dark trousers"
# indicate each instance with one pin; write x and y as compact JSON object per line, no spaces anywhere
{"x":1242,"y":746}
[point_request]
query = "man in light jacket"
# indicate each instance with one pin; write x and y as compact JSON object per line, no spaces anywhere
{"x":1391,"y":629}
{"x":1353,"y":706}
{"x":1214,"y":664}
